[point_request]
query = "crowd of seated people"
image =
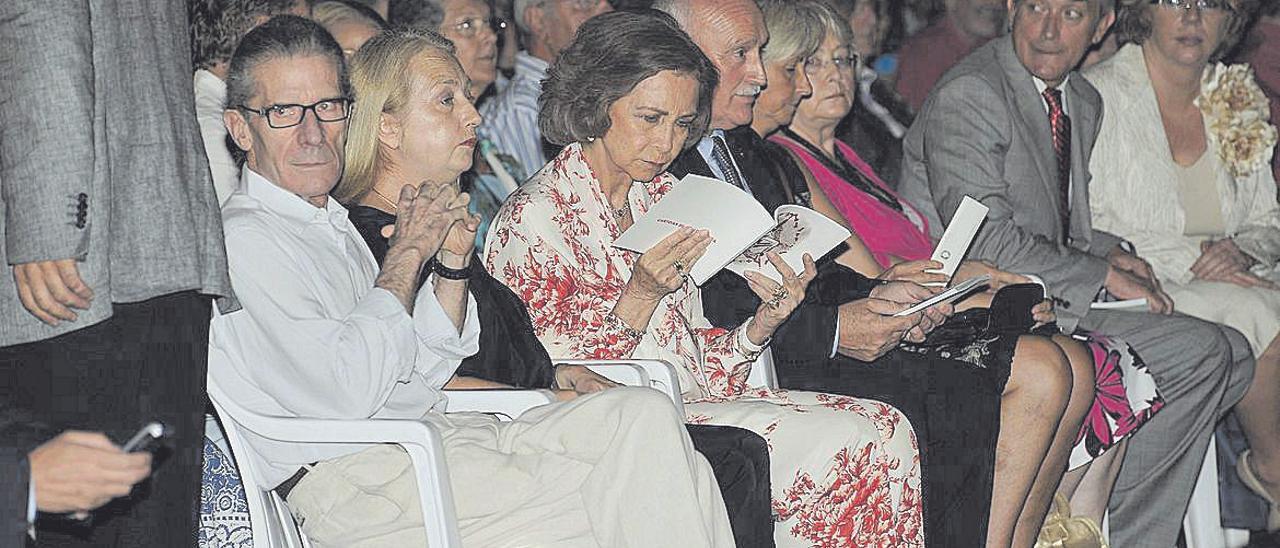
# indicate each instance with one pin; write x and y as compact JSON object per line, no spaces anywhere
{"x":406,"y":217}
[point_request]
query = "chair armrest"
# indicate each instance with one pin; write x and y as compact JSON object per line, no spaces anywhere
{"x":660,"y":375}
{"x":506,"y":403}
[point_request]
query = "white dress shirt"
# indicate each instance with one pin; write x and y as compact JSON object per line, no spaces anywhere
{"x":315,"y":338}
{"x":211,"y":93}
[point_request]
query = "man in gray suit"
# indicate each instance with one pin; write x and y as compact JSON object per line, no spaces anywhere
{"x":1013,"y":127}
{"x":112,"y":242}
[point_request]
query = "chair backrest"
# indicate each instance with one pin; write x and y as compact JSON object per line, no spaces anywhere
{"x":269,"y":516}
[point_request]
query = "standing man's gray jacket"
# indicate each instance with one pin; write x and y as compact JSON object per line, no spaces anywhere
{"x":106,"y":169}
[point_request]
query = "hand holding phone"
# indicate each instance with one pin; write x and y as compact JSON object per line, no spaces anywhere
{"x":146,"y":438}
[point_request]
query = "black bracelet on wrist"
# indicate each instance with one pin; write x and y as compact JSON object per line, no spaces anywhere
{"x":450,"y":273}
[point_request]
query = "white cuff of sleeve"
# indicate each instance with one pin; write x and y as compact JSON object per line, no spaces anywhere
{"x":744,"y":342}
{"x":835,"y":341}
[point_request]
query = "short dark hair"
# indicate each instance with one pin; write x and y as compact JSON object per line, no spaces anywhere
{"x":282,"y":37}
{"x":216,"y":26}
{"x":610,"y":55}
{"x":423,"y":14}
{"x":1133,"y":24}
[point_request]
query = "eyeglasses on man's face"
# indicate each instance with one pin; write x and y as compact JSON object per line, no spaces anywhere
{"x":1215,"y":6}
{"x":286,"y":115}
{"x":471,"y":27}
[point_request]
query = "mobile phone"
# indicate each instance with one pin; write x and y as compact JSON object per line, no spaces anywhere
{"x":146,"y":437}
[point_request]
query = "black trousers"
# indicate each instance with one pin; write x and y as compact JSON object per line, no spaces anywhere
{"x":740,"y":460}
{"x":146,"y":363}
{"x":955,"y":410}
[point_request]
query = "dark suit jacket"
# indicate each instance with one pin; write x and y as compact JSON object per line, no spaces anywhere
{"x":19,"y":434}
{"x":984,"y":132}
{"x":806,"y":338}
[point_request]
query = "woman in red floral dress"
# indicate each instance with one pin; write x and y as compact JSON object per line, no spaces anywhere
{"x":845,"y":471}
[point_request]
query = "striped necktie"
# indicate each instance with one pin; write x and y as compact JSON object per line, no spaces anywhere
{"x":1060,"y":123}
{"x":720,"y":153}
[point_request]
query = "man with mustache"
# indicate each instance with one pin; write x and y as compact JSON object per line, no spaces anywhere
{"x":511,"y":116}
{"x":925,"y":57}
{"x":1013,"y":125}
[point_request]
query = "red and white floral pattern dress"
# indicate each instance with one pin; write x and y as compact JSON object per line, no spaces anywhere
{"x":845,"y":471}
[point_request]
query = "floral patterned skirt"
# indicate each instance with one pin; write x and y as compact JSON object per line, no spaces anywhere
{"x":1125,"y":396}
{"x":845,"y":471}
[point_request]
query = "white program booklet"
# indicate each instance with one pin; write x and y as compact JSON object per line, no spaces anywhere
{"x":953,"y":293}
{"x":955,"y":241}
{"x":742,"y":232}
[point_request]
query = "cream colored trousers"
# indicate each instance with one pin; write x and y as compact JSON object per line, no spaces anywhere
{"x":615,"y":468}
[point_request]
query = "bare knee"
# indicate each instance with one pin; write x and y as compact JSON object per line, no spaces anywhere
{"x":1041,"y":373}
{"x":1083,"y":370}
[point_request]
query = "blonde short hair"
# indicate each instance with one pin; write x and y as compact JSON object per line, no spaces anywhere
{"x":334,"y":12}
{"x":795,"y":29}
{"x":382,"y":76}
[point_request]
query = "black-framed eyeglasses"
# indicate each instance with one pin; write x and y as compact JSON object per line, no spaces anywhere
{"x":1220,"y":6}
{"x":281,"y":116}
{"x":471,"y":27}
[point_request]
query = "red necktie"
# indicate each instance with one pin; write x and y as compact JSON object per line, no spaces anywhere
{"x":1060,"y":124}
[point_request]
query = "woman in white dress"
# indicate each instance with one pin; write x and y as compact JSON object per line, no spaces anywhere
{"x":628,"y":94}
{"x":1180,"y":170}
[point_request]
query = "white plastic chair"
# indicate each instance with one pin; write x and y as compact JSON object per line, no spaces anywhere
{"x":272,"y":523}
{"x":661,"y":375}
{"x":1202,"y":524}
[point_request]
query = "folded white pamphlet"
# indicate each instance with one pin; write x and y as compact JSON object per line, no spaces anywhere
{"x":953,"y":293}
{"x":742,"y":231}
{"x":954,"y":244}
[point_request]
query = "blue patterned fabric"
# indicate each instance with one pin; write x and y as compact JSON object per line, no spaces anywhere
{"x":224,"y":511}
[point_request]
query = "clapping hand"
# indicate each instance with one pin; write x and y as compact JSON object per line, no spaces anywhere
{"x":425,"y":217}
{"x":777,"y":301}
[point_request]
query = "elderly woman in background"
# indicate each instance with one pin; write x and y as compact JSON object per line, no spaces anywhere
{"x":891,"y":241}
{"x":626,"y":97}
{"x":1181,"y":171}
{"x":877,"y":126}
{"x":350,"y":24}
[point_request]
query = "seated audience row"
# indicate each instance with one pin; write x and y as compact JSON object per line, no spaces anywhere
{"x":635,"y":102}
{"x":321,"y":331}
